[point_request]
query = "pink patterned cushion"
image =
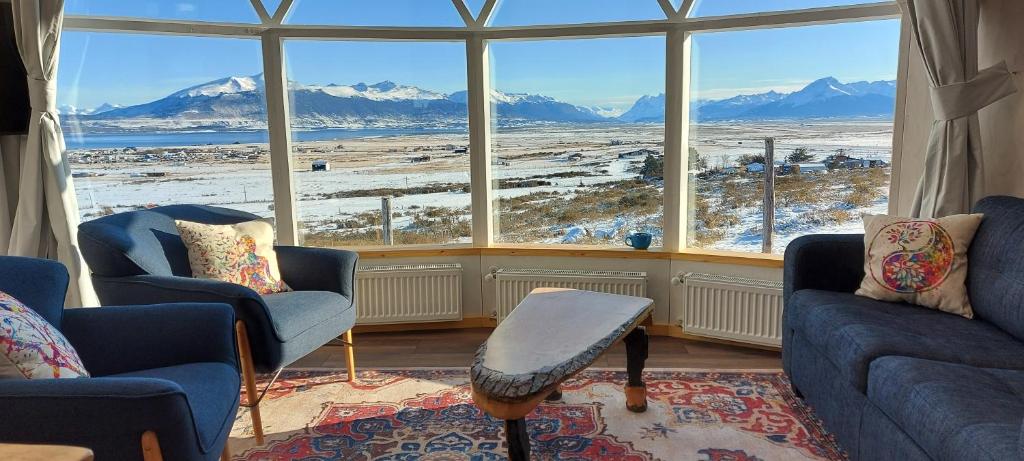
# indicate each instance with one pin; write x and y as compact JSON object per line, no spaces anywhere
{"x":31,"y":348}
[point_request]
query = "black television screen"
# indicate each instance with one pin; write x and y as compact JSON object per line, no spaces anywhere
{"x":14,"y":104}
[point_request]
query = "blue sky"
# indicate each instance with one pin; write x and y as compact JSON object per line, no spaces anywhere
{"x":132,"y":69}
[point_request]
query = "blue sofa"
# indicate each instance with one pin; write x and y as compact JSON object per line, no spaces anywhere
{"x":895,"y":381}
{"x":168,"y":370}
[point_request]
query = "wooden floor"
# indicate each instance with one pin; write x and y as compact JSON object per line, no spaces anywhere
{"x":455,"y":348}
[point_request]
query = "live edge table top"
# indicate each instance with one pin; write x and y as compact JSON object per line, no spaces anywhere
{"x":550,"y":336}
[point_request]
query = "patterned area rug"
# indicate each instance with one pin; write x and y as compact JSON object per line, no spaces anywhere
{"x":428,"y":415}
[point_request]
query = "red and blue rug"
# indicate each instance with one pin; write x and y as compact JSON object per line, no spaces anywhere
{"x":428,"y":415}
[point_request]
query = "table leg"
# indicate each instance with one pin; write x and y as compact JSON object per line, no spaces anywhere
{"x":636,"y":354}
{"x":518,"y":439}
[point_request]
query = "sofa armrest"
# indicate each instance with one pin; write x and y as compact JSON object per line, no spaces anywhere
{"x":107,"y":415}
{"x":304,"y":268}
{"x":121,"y":339}
{"x":832,"y":262}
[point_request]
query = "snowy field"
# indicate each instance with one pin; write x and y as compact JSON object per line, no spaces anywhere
{"x":536,"y":169}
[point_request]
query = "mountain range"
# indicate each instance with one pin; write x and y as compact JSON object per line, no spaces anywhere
{"x":238,"y":103}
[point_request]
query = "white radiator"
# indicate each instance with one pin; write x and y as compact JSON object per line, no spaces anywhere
{"x":733,"y":308}
{"x":514,"y":284}
{"x":408,"y":293}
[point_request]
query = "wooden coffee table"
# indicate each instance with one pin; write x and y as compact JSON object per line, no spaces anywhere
{"x":552,"y":335}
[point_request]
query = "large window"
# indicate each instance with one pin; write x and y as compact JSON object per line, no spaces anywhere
{"x":825,"y":95}
{"x":375,"y":13}
{"x":379,"y":116}
{"x":529,"y":12}
{"x":726,"y":7}
{"x":191,"y":10}
{"x":157,"y":120}
{"x":380,"y":120}
{"x":578,"y":139}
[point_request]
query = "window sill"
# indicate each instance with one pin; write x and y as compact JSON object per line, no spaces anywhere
{"x":571,"y":251}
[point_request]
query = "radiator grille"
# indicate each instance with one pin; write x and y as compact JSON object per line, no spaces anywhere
{"x":733,"y":308}
{"x":512,"y":285}
{"x":408,"y":293}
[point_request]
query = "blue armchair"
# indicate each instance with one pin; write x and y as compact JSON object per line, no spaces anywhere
{"x":137,"y":257}
{"x":164,"y":378}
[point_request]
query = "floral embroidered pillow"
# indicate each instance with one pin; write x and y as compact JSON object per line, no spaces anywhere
{"x":919,"y":261}
{"x":31,"y":348}
{"x":240,"y":253}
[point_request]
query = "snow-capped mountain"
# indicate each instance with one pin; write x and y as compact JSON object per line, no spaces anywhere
{"x":68,"y":109}
{"x":822,"y":98}
{"x":732,"y":107}
{"x":606,"y":111}
{"x":239,"y":103}
{"x":105,"y":107}
{"x":829,"y":98}
{"x":383,"y":91}
{"x":646,"y":109}
{"x":229,"y":85}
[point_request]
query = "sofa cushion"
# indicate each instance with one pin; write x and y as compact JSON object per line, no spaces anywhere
{"x":294,"y":312}
{"x":211,"y":391}
{"x":995,"y":276}
{"x":852,"y":331}
{"x":919,"y":261}
{"x":953,"y":412}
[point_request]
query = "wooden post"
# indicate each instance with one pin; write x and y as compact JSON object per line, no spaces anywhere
{"x":385,"y":211}
{"x":768,"y":220}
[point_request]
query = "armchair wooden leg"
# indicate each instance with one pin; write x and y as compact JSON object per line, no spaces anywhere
{"x":350,"y":356}
{"x":226,"y":454}
{"x":151,"y":447}
{"x":249,"y":377}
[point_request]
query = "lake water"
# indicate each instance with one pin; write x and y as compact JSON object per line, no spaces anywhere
{"x":180,"y":139}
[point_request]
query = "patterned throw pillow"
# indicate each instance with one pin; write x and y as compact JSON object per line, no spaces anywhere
{"x":31,"y":348}
{"x":240,"y":253}
{"x":920,"y":261}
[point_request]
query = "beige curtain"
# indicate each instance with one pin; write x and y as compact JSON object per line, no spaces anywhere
{"x":39,"y":216}
{"x":946,"y":32}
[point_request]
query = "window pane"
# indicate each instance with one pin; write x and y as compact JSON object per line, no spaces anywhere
{"x":830,"y":115}
{"x":271,"y":6}
{"x":531,"y":12}
{"x":726,"y":7}
{"x":380,"y":119}
{"x":578,"y":142}
{"x":192,"y":10}
{"x":187,"y":124}
{"x":376,"y":13}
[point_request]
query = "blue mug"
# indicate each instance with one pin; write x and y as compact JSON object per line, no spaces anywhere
{"x":639,"y":240}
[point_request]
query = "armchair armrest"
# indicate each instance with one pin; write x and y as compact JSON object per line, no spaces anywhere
{"x":107,"y":415}
{"x":39,"y":283}
{"x":153,"y":289}
{"x":825,"y":262}
{"x":114,"y":340}
{"x":157,"y":289}
{"x":305,"y":268}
